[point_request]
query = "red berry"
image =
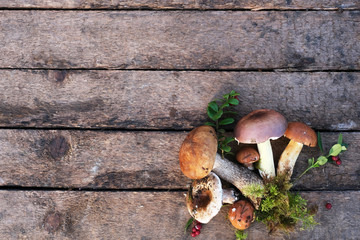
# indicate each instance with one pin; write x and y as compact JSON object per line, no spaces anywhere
{"x":193,"y":234}
{"x":328,"y":206}
{"x":197,"y":232}
{"x":194,"y":229}
{"x":338,"y":162}
{"x":198,"y":226}
{"x":335,"y":158}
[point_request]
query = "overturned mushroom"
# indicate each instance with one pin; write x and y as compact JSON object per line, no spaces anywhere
{"x":299,"y":134}
{"x":241,"y":214}
{"x":260,"y":127}
{"x":198,"y":157}
{"x":247,"y":156}
{"x":206,"y":196}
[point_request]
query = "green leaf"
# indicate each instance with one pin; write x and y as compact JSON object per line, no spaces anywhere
{"x":343,"y":148}
{"x":210,"y":124}
{"x":228,"y":140}
{"x":210,"y":113}
{"x":322,"y":160}
{"x":226,"y":148}
{"x":226,"y":96}
{"x":217,"y":115}
{"x":311,"y":161}
{"x":224,"y":105}
{"x":213,"y":105}
{"x":340,"y":139}
{"x":335,"y":150}
{"x":232,"y":92}
{"x":189,"y":222}
{"x":226,"y":121}
{"x":320,"y":142}
{"x":234,"y":101}
{"x":221,"y":130}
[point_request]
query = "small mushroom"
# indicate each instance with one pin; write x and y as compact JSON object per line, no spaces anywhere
{"x":247,"y":156}
{"x":299,"y":134}
{"x":206,"y":196}
{"x":198,"y":157}
{"x":260,"y":127}
{"x":241,"y":214}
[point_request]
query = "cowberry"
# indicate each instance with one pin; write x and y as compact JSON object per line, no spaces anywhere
{"x":328,"y":206}
{"x":335,"y":158}
{"x":338,"y":162}
{"x":194,"y":229}
{"x":197,"y":232}
{"x":193,"y":234}
{"x":198,"y":226}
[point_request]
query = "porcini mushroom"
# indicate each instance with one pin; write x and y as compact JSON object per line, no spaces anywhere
{"x":247,"y":156}
{"x":241,"y":214}
{"x":299,"y":134}
{"x":206,"y":196}
{"x":260,"y":127}
{"x":198,"y":157}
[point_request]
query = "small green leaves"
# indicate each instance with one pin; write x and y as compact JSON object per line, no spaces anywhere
{"x":335,"y":150}
{"x":311,"y":161}
{"x":321,"y":160}
{"x":226,"y":121}
{"x":189,"y":222}
{"x":320,"y":142}
{"x":215,"y":110}
{"x":340,"y":139}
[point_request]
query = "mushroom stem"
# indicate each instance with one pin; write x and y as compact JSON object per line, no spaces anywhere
{"x":229,"y":196}
{"x":241,"y":177}
{"x":288,"y":159}
{"x":266,"y":163}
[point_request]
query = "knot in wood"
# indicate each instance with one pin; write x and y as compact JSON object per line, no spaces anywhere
{"x":52,"y":222}
{"x":58,"y":147}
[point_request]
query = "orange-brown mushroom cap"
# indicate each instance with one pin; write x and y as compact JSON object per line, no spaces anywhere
{"x":241,"y":214}
{"x":301,"y":133}
{"x":247,"y":155}
{"x":198,"y":151}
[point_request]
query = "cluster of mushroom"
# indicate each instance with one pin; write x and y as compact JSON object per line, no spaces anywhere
{"x":200,"y":161}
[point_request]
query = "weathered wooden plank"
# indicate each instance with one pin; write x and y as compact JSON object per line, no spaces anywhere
{"x":182,"y":4}
{"x":172,"y":99}
{"x":149,"y":215}
{"x":141,"y":160}
{"x":180,"y":40}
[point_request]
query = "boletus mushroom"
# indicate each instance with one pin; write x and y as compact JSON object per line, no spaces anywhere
{"x":206,"y":196}
{"x":198,"y":157}
{"x":241,"y":214}
{"x":299,"y":134}
{"x":260,"y":127}
{"x":247,"y":156}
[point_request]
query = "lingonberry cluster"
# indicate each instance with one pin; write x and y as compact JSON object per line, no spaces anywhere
{"x":336,"y":159}
{"x":196,"y":229}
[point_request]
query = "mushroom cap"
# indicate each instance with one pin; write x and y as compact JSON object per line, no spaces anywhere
{"x":260,"y":126}
{"x":198,"y":151}
{"x":247,"y":155}
{"x":241,"y":214}
{"x":204,"y":199}
{"x":301,"y":133}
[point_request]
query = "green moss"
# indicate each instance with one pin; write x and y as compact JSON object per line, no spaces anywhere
{"x":240,"y":235}
{"x":281,"y":209}
{"x":253,"y":190}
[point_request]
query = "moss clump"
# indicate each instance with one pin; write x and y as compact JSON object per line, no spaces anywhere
{"x":281,"y":209}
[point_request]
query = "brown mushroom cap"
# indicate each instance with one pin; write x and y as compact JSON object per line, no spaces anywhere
{"x":198,"y":151}
{"x":241,"y":214}
{"x":301,"y":133}
{"x":247,"y":155}
{"x":260,"y":126}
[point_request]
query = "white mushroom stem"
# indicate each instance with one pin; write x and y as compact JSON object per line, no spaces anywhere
{"x":288,"y":159}
{"x":239,"y":176}
{"x":266,"y":163}
{"x":229,"y":196}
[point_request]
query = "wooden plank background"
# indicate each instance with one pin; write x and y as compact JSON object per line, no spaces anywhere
{"x":97,"y":96}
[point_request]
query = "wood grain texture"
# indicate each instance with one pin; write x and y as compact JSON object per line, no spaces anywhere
{"x":149,"y":215}
{"x":138,"y":160}
{"x":182,"y":4}
{"x":302,"y":40}
{"x":172,"y":99}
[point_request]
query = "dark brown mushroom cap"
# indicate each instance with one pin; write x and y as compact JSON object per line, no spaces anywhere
{"x":260,"y":126}
{"x":301,"y":133}
{"x":247,"y":155}
{"x":198,"y":151}
{"x":241,"y":214}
